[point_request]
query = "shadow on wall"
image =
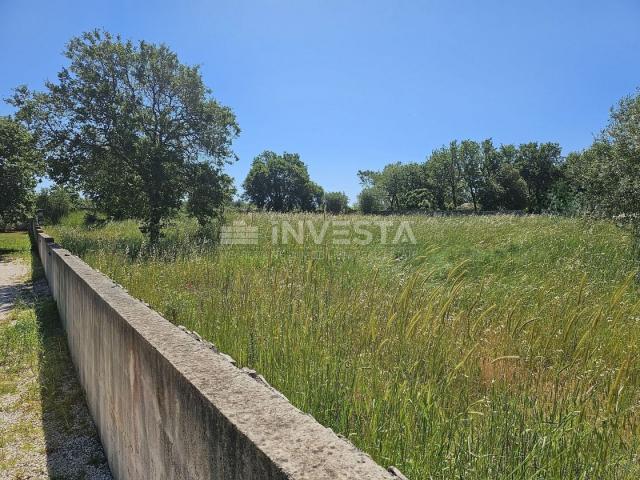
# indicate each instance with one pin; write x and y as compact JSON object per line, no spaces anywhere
{"x":73,"y":448}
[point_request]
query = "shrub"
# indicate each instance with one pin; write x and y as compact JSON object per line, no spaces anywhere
{"x":56,"y":202}
{"x":369,"y":201}
{"x":336,"y":202}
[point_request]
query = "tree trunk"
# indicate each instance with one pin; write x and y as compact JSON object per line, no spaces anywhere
{"x":155,"y":200}
{"x":454,"y":196}
{"x":154,"y":231}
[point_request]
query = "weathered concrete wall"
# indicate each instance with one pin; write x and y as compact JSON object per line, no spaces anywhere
{"x":169,"y":407}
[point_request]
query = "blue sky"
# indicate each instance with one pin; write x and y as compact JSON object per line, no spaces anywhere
{"x":358,"y":84}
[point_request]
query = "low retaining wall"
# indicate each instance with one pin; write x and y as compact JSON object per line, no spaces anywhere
{"x":169,"y":407}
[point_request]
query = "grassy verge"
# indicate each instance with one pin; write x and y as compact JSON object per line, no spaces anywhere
{"x":15,"y":245}
{"x":496,"y":347}
{"x":44,"y":419}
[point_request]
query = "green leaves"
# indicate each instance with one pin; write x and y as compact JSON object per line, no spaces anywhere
{"x":607,"y":175}
{"x":336,"y":202}
{"x":469,"y":174}
{"x":20,"y":162}
{"x":123,"y":124}
{"x":209,"y":191}
{"x":281,"y":183}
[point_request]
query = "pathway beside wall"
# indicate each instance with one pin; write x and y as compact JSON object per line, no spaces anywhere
{"x":45,"y":428}
{"x":12,"y":274}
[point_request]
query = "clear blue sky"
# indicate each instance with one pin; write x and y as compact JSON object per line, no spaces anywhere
{"x":358,"y":84}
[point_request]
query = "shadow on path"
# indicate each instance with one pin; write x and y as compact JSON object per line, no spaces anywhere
{"x":12,"y":273}
{"x":71,"y":447}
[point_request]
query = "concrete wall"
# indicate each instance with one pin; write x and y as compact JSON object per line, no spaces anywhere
{"x":168,"y":407}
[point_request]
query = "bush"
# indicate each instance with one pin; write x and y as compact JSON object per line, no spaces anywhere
{"x":369,"y":201}
{"x":56,"y":202}
{"x":336,"y":202}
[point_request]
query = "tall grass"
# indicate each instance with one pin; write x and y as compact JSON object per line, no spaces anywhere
{"x":496,"y":347}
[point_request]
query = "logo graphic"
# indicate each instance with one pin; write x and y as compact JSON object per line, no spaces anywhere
{"x":335,"y":232}
{"x":239,"y":234}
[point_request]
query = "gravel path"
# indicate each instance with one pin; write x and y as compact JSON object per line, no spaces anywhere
{"x":12,"y":276}
{"x":46,"y":431}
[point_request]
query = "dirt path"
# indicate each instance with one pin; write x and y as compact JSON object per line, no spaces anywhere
{"x":46,"y":431}
{"x":12,"y":278}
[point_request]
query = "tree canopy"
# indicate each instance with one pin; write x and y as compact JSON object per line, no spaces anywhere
{"x":371,"y":200}
{"x":606,"y":176}
{"x":125,"y":123}
{"x":478,"y":173}
{"x":336,"y":202}
{"x":281,"y":183}
{"x":20,"y":162}
{"x":56,"y":202}
{"x":209,"y":190}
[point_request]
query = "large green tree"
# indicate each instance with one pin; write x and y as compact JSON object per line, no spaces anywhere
{"x":539,"y":165}
{"x":396,"y":182}
{"x":607,"y":175}
{"x":125,"y":122}
{"x":56,"y":202}
{"x":336,"y":202}
{"x":20,"y":162}
{"x":371,"y":200}
{"x":281,"y":183}
{"x":471,"y":162}
{"x":501,"y":187}
{"x":439,"y":177}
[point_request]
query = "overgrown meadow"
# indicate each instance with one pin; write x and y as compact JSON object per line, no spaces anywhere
{"x":495,"y":347}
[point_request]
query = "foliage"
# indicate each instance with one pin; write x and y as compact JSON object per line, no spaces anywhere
{"x":209,"y":191}
{"x":56,"y":202}
{"x":370,"y":200}
{"x":418,"y":199}
{"x":123,"y":124}
{"x":539,"y":167}
{"x":606,"y":176}
{"x":336,"y":202}
{"x":281,"y":183}
{"x":471,"y":169}
{"x":442,"y":179}
{"x":504,"y":190}
{"x":20,"y":162}
{"x":497,"y":347}
{"x":395,"y":180}
{"x":505,"y":178}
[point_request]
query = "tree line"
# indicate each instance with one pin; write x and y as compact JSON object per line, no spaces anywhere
{"x":141,"y":136}
{"x":468,"y":175}
{"x":603,"y":180}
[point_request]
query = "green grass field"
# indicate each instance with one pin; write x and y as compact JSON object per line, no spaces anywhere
{"x":495,"y":347}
